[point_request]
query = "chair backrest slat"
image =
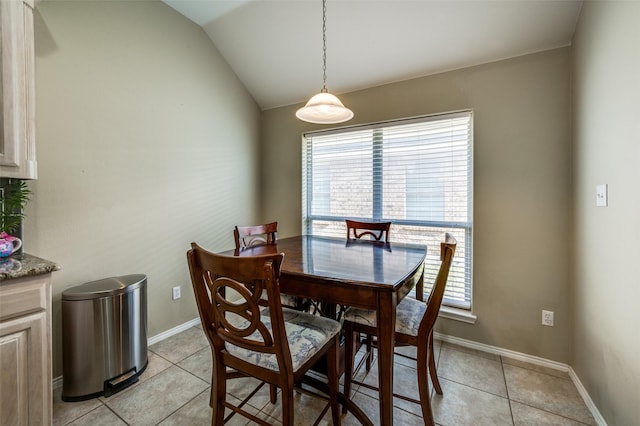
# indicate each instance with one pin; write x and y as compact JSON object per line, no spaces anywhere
{"x":375,"y":231}
{"x":250,"y":236}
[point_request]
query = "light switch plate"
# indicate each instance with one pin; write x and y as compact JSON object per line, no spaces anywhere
{"x":601,"y":196}
{"x":175,"y":293}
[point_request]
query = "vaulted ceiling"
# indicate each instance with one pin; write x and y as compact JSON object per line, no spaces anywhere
{"x":275,"y":46}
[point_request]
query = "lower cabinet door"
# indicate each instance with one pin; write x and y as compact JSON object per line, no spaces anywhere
{"x":25,"y":384}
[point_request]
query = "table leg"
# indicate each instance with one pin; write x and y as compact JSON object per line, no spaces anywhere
{"x":386,"y":320}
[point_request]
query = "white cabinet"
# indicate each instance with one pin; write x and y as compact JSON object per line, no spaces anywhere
{"x":25,"y":351}
{"x":17,"y":90}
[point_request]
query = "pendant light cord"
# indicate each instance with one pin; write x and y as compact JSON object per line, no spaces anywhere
{"x":324,"y":46}
{"x":324,"y":108}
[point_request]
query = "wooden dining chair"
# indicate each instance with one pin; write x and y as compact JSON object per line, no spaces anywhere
{"x":249,"y":236}
{"x":252,"y":236}
{"x":374,"y":232}
{"x":414,"y":326}
{"x":275,"y":345}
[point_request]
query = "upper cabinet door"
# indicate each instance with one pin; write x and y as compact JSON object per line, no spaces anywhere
{"x":17,"y":90}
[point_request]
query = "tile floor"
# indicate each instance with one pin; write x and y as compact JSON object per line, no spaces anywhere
{"x":479,"y":389}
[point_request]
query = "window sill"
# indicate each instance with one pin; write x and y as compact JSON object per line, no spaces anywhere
{"x":457,"y":314}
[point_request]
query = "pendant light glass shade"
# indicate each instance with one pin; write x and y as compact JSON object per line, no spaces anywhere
{"x":324,"y":108}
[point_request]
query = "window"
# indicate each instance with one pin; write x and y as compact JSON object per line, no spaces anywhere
{"x":416,"y":173}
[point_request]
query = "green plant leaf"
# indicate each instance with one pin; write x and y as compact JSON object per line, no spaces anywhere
{"x":13,"y":199}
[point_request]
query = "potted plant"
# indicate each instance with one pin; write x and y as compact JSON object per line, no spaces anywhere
{"x":14,"y":195}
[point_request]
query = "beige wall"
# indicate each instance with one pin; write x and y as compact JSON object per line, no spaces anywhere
{"x":145,"y":140}
{"x":522,"y":188}
{"x":606,"y":290}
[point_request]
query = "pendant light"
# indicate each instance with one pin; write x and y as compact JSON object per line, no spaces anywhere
{"x":324,"y":108}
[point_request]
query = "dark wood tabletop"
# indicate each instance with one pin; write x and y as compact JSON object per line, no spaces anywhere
{"x":362,"y":274}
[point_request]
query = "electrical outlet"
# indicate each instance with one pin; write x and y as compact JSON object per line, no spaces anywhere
{"x":602,"y":196}
{"x":176,"y":293}
{"x":547,"y":318}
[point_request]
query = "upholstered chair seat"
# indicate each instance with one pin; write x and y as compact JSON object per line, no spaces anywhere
{"x":409,"y":314}
{"x":306,"y":334}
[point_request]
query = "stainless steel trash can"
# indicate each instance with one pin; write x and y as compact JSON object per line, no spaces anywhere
{"x":104,"y":336}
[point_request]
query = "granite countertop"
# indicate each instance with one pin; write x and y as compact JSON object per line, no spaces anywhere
{"x":25,"y":265}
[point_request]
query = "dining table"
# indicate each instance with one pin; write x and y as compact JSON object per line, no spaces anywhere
{"x":362,"y":274}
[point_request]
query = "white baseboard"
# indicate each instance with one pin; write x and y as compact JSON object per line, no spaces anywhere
{"x":57,"y":381}
{"x":175,"y":330}
{"x":501,"y":351}
{"x":600,"y":421}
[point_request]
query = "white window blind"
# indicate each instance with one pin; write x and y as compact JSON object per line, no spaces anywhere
{"x":416,"y":173}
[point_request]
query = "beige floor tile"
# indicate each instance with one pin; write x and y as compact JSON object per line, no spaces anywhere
{"x":156,"y":364}
{"x":535,"y":367}
{"x":194,"y":413}
{"x":65,"y":412}
{"x":359,"y":356}
{"x":238,"y":420}
{"x":463,"y":405}
{"x":182,"y":345}
{"x":197,"y":412}
{"x":412,"y":351}
{"x":265,"y":417}
{"x":437,"y":344}
{"x":199,"y":364}
{"x":479,"y":353}
{"x":405,"y":382}
{"x":242,"y":387}
{"x":524,"y":415}
{"x":472,"y":370}
{"x":549,"y":393}
{"x":158,"y":397}
{"x":307,"y":409}
{"x":101,"y":416}
{"x":369,"y":377}
{"x":406,"y":355}
{"x":370,"y":407}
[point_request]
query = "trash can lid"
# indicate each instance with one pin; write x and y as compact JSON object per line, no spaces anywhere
{"x":105,"y":287}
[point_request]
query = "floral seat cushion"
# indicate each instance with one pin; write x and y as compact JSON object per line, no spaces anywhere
{"x":409,"y":313}
{"x":289,"y":301}
{"x":306,"y":334}
{"x":286,"y":300}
